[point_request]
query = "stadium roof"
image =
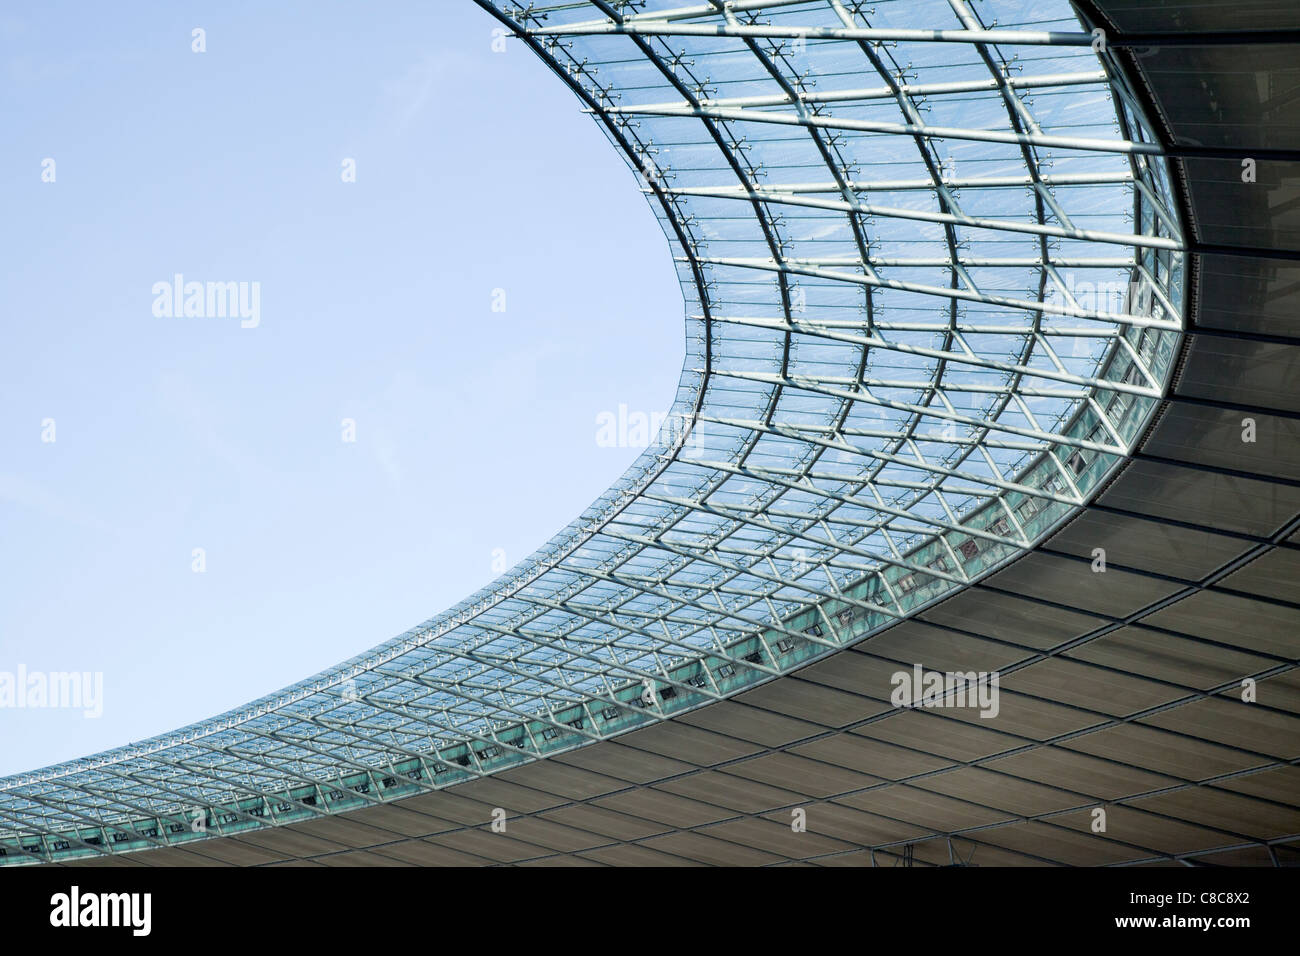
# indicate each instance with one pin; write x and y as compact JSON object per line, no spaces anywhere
{"x":935,"y":263}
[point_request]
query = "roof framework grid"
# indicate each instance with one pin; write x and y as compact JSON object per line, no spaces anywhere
{"x":933,"y":282}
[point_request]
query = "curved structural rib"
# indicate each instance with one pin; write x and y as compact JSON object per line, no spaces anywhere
{"x":933,"y":284}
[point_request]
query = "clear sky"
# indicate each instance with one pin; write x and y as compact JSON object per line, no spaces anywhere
{"x":475,"y":429}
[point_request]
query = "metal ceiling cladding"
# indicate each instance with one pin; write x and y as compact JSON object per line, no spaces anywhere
{"x":933,"y":282}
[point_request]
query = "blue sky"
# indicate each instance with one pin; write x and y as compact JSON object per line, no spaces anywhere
{"x":475,"y":429}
